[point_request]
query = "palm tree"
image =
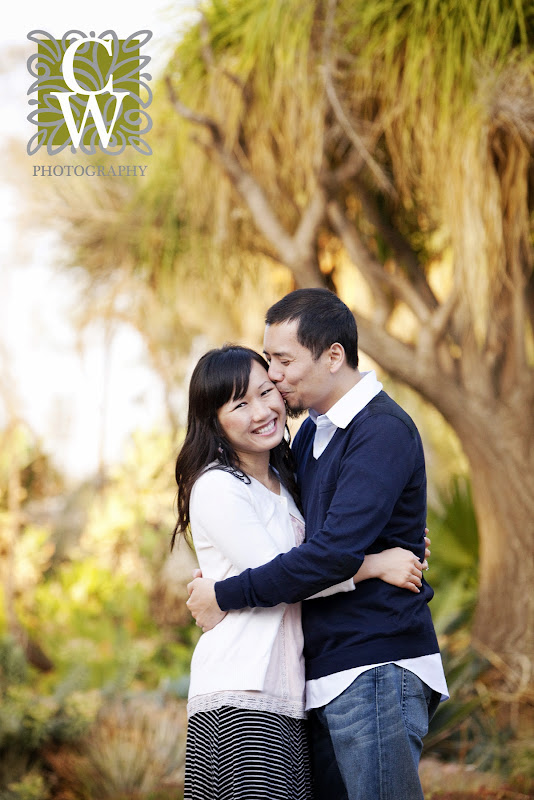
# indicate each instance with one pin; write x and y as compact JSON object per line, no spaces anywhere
{"x":392,"y":141}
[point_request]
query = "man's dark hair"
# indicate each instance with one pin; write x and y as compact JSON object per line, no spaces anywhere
{"x":322,"y":320}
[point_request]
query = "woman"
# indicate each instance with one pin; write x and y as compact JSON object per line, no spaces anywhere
{"x":237,"y":494}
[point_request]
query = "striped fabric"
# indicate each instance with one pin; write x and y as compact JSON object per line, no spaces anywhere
{"x":238,"y":754}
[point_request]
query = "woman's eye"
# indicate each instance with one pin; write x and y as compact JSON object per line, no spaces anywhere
{"x":266,"y":391}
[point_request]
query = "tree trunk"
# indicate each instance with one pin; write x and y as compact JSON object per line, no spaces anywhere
{"x":498,"y":445}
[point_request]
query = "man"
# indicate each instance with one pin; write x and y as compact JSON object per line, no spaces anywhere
{"x":373,"y":668}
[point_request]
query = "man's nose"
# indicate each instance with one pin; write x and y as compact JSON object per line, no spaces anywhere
{"x":275,"y":373}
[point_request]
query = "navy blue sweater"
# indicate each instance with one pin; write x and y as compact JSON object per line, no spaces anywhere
{"x":365,"y":493}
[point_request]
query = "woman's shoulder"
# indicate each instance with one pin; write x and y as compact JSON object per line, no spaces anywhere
{"x":219,"y":495}
{"x":215,"y":478}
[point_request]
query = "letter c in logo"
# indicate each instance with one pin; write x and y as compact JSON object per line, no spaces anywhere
{"x":68,"y":66}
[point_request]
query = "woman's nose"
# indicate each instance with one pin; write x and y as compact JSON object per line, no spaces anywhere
{"x":259,"y":410}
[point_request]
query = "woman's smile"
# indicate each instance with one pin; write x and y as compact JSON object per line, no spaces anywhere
{"x":267,"y":429}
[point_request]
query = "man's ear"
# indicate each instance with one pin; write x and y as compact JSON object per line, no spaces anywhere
{"x":337,"y":357}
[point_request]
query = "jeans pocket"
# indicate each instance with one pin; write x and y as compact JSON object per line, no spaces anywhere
{"x":415,"y":701}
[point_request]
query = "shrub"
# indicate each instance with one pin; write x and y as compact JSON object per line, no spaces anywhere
{"x":134,"y":748}
{"x":30,"y":722}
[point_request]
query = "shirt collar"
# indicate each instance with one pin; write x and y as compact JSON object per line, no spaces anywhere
{"x":346,"y":408}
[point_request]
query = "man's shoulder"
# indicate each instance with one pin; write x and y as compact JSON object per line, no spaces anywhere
{"x":383,"y":406}
{"x":304,"y":433}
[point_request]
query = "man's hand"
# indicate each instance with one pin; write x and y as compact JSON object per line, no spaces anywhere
{"x":202,"y":603}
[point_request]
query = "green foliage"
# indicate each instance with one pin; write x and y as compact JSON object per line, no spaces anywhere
{"x":93,"y":608}
{"x":453,"y":576}
{"x":29,"y":721}
{"x":100,"y":748}
{"x":268,"y":39}
{"x":20,"y":451}
{"x":13,"y":666}
{"x":453,"y":571}
{"x":135,"y":746}
{"x":31,"y":787}
{"x":472,"y":726}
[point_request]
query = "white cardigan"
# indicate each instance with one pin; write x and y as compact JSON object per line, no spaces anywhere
{"x":235,"y":526}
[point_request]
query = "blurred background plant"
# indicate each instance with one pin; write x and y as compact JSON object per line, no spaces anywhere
{"x":29,"y":721}
{"x":93,"y":583}
{"x":135,"y":747}
{"x":487,"y":722}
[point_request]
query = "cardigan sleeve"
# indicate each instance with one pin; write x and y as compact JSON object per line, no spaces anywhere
{"x":374,"y":470}
{"x":223,"y":516}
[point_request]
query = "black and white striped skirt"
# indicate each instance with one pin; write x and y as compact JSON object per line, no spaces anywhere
{"x":239,"y":754}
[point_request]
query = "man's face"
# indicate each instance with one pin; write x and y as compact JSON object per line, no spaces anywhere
{"x":302,"y":382}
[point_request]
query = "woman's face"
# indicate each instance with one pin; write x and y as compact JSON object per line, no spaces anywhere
{"x":256,"y":422}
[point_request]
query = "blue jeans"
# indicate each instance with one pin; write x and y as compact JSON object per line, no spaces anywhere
{"x":367,"y":742}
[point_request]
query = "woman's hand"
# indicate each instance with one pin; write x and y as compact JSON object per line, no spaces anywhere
{"x":427,"y":550}
{"x":397,"y":566}
{"x":202,"y":603}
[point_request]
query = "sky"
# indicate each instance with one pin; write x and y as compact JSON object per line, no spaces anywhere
{"x":55,"y":380}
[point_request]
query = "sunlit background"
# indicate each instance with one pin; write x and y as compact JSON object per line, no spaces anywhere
{"x":82,"y":392}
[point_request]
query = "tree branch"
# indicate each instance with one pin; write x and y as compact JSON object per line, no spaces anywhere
{"x":310,"y":221}
{"x":400,"y":246}
{"x":430,"y":345}
{"x":350,"y":167}
{"x":297,"y":251}
{"x":361,"y":258}
{"x":207,"y":52}
{"x":373,"y":270}
{"x":354,"y":138}
{"x":193,"y":116}
{"x":401,"y":362}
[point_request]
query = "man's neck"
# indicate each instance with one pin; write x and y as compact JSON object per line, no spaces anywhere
{"x":346,"y":381}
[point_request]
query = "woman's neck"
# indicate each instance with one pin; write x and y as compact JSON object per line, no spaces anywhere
{"x":259,"y":468}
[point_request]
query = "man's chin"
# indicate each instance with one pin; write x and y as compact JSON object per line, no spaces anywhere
{"x":295,"y":413}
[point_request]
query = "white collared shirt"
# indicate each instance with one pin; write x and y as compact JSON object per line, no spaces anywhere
{"x":344,"y":411}
{"x":429,"y":668}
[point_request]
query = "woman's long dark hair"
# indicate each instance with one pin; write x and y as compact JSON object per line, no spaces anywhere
{"x":220,"y":375}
